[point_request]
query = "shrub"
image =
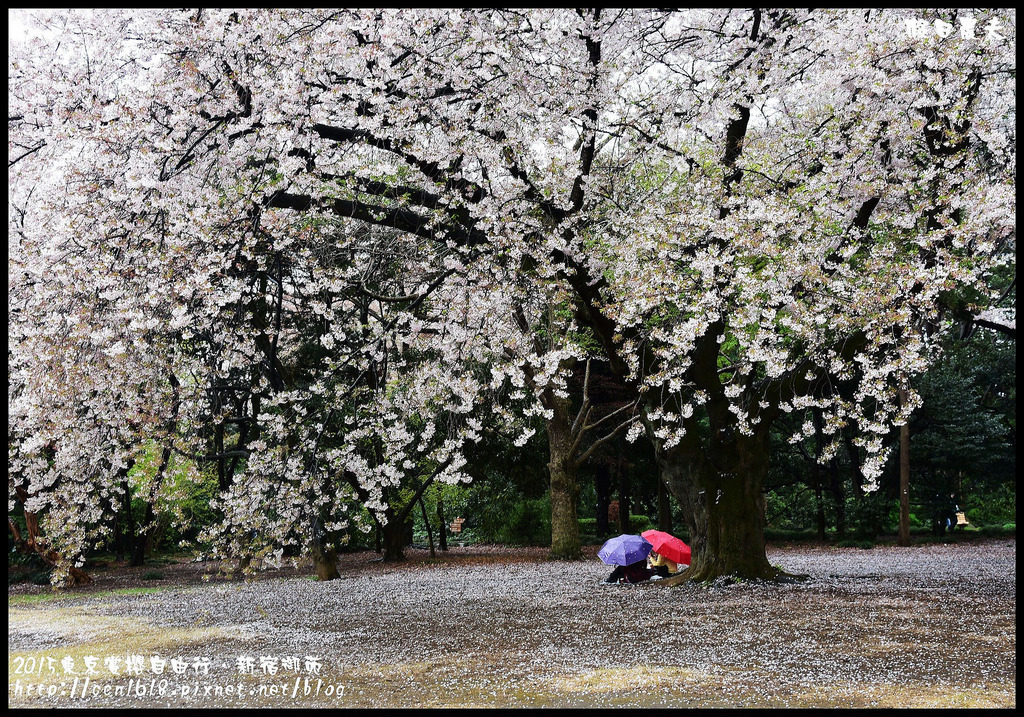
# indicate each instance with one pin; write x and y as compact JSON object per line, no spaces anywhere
{"x":529,"y":523}
{"x":40,"y":578}
{"x":863,"y":544}
{"x":639,"y":523}
{"x":790,"y":535}
{"x":997,"y":531}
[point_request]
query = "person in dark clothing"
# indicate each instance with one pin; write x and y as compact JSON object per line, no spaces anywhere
{"x":944,"y":517}
{"x":952,"y":508}
{"x":634,"y":573}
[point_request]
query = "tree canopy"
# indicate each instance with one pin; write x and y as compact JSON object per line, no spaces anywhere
{"x":295,"y":243}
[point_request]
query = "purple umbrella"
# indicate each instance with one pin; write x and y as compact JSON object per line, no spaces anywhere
{"x":624,"y":550}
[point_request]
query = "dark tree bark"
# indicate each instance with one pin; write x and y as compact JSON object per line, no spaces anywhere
{"x":664,"y":508}
{"x":426,"y":522}
{"x":625,"y":492}
{"x":395,"y":530}
{"x":838,"y":497}
{"x":34,"y":543}
{"x":146,"y":527}
{"x":565,"y":490}
{"x":816,"y":475}
{"x":148,"y":524}
{"x":904,"y":536}
{"x":602,"y":485}
{"x":442,"y":532}
{"x":566,"y":435}
{"x":720,"y":490}
{"x":126,"y":540}
{"x":395,"y":536}
{"x":322,"y":552}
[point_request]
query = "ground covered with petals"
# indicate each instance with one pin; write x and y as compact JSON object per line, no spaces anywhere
{"x":927,"y":626}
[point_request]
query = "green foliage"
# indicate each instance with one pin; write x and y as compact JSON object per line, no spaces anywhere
{"x":790,"y":509}
{"x":869,"y":516}
{"x":588,"y":531}
{"x":998,"y":531}
{"x":186,"y":502}
{"x":639,"y":523}
{"x":359,"y":539}
{"x":963,"y":426}
{"x":962,"y":443}
{"x":863,"y":544}
{"x":453,"y":500}
{"x":40,"y":578}
{"x":508,"y":500}
{"x":783,"y":535}
{"x":183,"y":503}
{"x":989,"y":506}
{"x":523,"y":521}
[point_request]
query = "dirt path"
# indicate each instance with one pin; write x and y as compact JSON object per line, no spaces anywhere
{"x":928,"y":626}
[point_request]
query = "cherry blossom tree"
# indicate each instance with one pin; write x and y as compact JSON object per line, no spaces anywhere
{"x":283,"y":344}
{"x":751,"y":212}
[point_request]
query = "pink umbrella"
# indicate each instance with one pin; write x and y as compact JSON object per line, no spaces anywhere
{"x":668,"y":546}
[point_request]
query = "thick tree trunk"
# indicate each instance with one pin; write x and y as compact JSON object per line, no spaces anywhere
{"x":325,"y":561}
{"x":816,"y":476}
{"x":819,"y":502}
{"x":325,"y":557}
{"x":395,"y":536}
{"x":148,"y":525}
{"x":720,"y":488}
{"x":565,"y":489}
{"x":126,"y":540}
{"x":138,"y":557}
{"x":839,"y":498}
{"x":565,"y":531}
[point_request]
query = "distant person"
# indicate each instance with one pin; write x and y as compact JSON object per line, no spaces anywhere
{"x":636,"y":572}
{"x":952,"y":508}
{"x":944,"y":514}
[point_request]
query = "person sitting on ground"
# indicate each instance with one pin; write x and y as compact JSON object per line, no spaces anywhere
{"x":661,"y":566}
{"x":634,"y":573}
